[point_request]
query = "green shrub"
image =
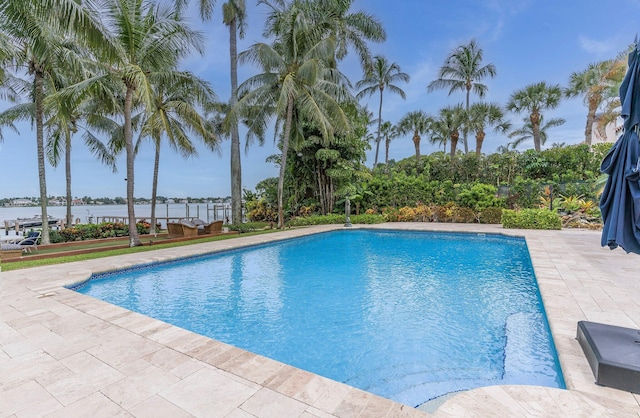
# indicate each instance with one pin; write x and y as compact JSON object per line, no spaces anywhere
{"x":336,"y":219}
{"x":96,"y":231}
{"x":367,"y":219}
{"x":480,"y":196}
{"x":490,"y":216}
{"x":249,"y":226}
{"x":531,"y":219}
{"x":464,"y":215}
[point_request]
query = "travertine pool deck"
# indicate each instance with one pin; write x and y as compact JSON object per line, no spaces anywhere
{"x":64,"y":354}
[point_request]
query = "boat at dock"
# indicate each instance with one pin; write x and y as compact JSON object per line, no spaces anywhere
{"x":33,"y":222}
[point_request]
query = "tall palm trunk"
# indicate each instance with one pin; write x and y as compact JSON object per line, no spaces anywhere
{"x":236,"y":171}
{"x":465,"y":129}
{"x":454,"y":143}
{"x":535,"y":129}
{"x":154,"y":187}
{"x":38,"y":99}
{"x":375,"y":162}
{"x":134,"y":240}
{"x":283,"y":162}
{"x":416,"y":143}
{"x":479,"y":140}
{"x":591,"y":119}
{"x":67,"y":170}
{"x":387,"y":143}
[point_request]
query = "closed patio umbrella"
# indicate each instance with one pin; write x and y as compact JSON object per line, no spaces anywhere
{"x":620,"y":200}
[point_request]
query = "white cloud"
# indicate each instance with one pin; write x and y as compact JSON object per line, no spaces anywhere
{"x":597,"y":47}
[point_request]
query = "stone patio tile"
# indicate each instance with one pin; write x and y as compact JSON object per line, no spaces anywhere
{"x":31,"y":319}
{"x":95,"y":405}
{"x":124,"y":349}
{"x":239,"y":413}
{"x":256,"y":368}
{"x":133,"y":390}
{"x":10,"y":313}
{"x":353,"y":403}
{"x":90,"y":375}
{"x":8,"y":334}
{"x":27,"y":399}
{"x":312,"y":412}
{"x":162,"y":334}
{"x":207,"y":393}
{"x":332,"y":397}
{"x":269,"y":404}
{"x":31,"y":366}
{"x":158,"y":407}
{"x":169,"y":360}
{"x":377,"y":407}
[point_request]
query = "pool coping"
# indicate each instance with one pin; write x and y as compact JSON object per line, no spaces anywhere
{"x":578,"y":280}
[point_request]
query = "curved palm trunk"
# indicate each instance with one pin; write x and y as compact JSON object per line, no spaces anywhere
{"x":67,"y":170}
{"x":375,"y":162}
{"x":535,"y":129}
{"x":39,"y":94}
{"x":283,"y":162}
{"x":236,"y":171}
{"x":591,"y":119}
{"x":479,"y":140}
{"x":454,"y":143}
{"x":154,"y":188}
{"x":134,"y":239}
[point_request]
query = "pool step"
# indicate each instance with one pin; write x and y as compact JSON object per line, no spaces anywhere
{"x":523,"y":363}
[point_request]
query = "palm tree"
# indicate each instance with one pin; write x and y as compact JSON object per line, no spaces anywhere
{"x":486,"y":115}
{"x":382,"y":75}
{"x":389,"y":132}
{"x":33,"y":41}
{"x":416,"y":123}
{"x":462,"y":71}
{"x":234,"y":15}
{"x":598,"y":83}
{"x":175,"y":115}
{"x":349,"y":29}
{"x":297,"y":83}
{"x":533,"y":99}
{"x":526,"y":132}
{"x":64,"y":121}
{"x":448,"y":124}
{"x":147,"y":41}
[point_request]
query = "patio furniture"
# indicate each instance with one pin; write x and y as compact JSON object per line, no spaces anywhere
{"x":189,"y":229}
{"x":182,"y":229}
{"x":174,"y":229}
{"x":30,"y":242}
{"x":214,"y":227}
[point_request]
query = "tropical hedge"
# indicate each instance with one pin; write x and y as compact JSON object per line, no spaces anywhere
{"x":82,"y":232}
{"x":467,"y":188}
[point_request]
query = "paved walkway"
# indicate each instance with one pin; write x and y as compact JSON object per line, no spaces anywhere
{"x":64,"y":354}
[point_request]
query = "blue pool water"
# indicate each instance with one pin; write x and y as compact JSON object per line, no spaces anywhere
{"x":406,"y":315}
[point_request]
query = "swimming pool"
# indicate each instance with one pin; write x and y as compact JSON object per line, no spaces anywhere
{"x":406,"y":315}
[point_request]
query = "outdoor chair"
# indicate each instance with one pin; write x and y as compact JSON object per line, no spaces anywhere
{"x":189,"y":229}
{"x":174,"y":230}
{"x":30,"y":242}
{"x":214,"y":227}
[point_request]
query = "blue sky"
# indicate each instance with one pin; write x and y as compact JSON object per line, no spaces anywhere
{"x":527,"y":40}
